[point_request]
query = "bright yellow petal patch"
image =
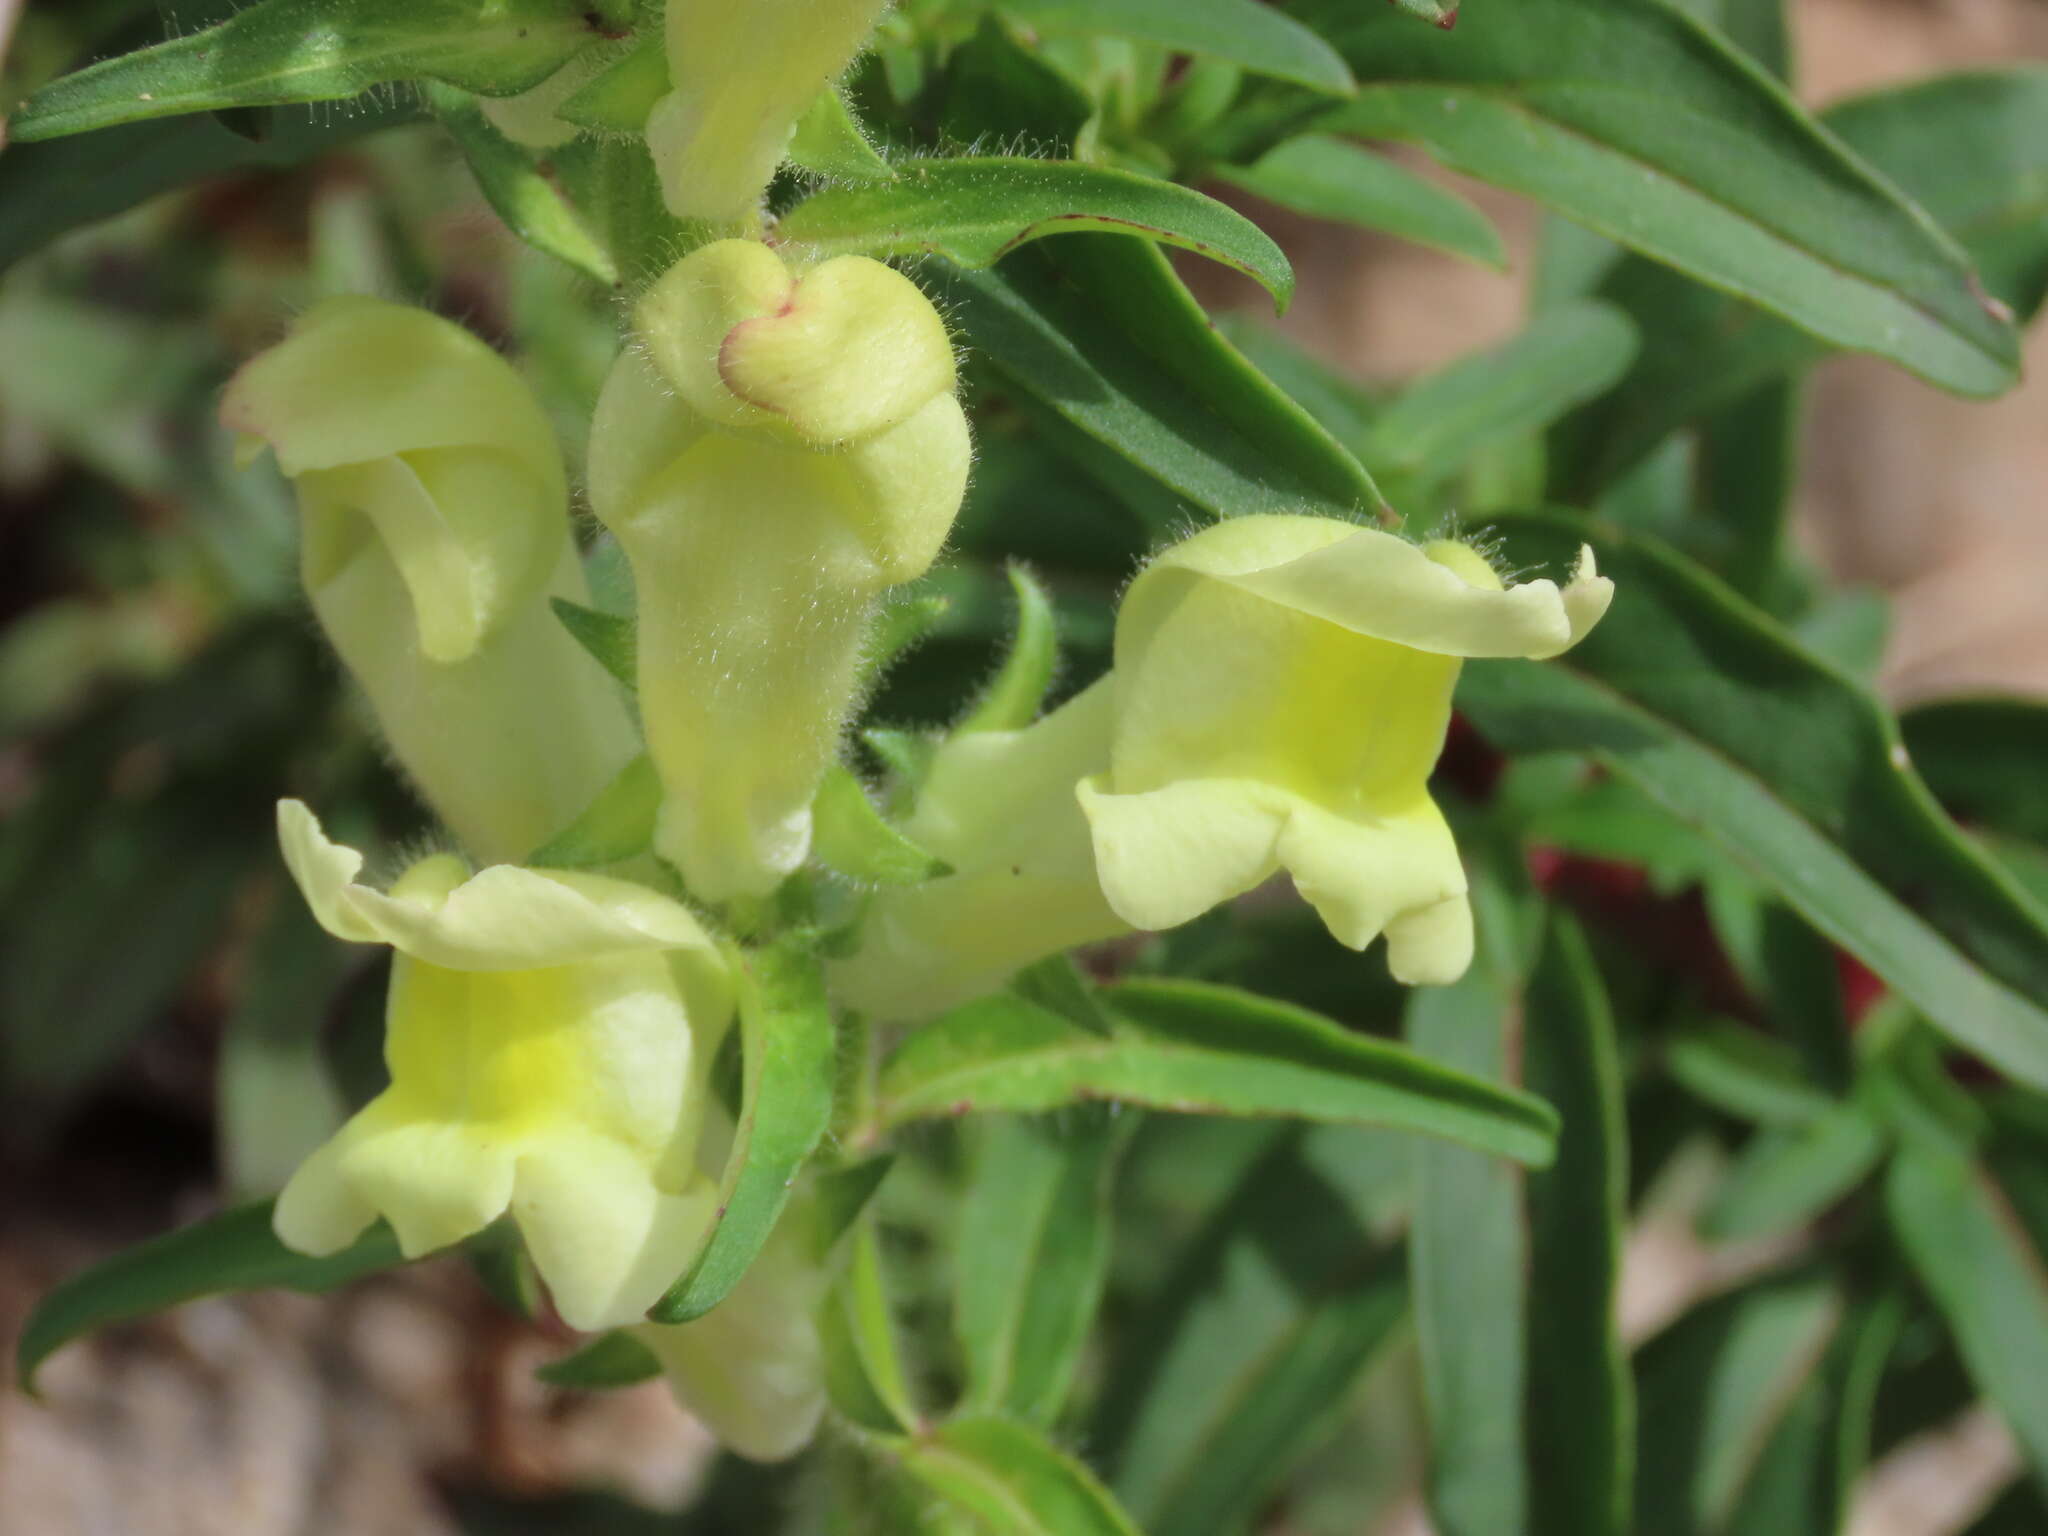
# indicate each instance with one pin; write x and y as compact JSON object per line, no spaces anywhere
{"x":547,"y":1037}
{"x":1283,"y":688}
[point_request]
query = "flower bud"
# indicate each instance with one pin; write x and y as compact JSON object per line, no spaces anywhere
{"x":999,"y":807}
{"x":1283,"y":688}
{"x":770,"y":465}
{"x":743,"y":72}
{"x":549,"y":1037}
{"x":435,"y":529}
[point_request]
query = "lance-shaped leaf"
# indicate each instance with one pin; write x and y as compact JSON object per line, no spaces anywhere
{"x":1032,"y":1254}
{"x":1715,"y":1388}
{"x":1007,"y":1479}
{"x":54,"y":187}
{"x":1785,"y":1178}
{"x":1706,"y":704}
{"x":533,"y":204}
{"x":1436,"y":426}
{"x":850,"y":836}
{"x":235,"y":1251}
{"x":1011,"y":700}
{"x":282,"y":51}
{"x":1468,"y":1250}
{"x":1632,"y":117}
{"x":787,"y":1053}
{"x":1259,"y":38}
{"x":1581,"y":1400}
{"x":1329,"y":178}
{"x":1249,"y":1350}
{"x":976,"y":211}
{"x":864,"y":1376}
{"x":1101,"y":342}
{"x":1971,"y":148}
{"x":1958,"y":1229}
{"x":1196,"y":1049}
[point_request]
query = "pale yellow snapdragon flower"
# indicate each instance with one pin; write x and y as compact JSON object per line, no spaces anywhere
{"x":1282,"y":690}
{"x":435,"y":528}
{"x":780,"y":446}
{"x":548,"y":1035}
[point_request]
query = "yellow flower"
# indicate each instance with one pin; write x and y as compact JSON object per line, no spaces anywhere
{"x":753,"y":1368}
{"x":1000,"y":808}
{"x":548,"y":1038}
{"x":435,"y":529}
{"x":1283,"y":686}
{"x":781,"y":447}
{"x":743,"y":72}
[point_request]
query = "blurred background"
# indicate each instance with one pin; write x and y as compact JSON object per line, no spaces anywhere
{"x":172,"y":1026}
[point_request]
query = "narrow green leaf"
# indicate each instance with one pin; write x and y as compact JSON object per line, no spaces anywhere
{"x":532,"y":203}
{"x":612,"y":639}
{"x":1243,"y":32}
{"x":1982,"y":758}
{"x":1196,"y":1049}
{"x":1101,"y":342}
{"x":1031,"y":1258}
{"x":1012,"y":1481}
{"x":1437,"y":425}
{"x":863,"y":1368}
{"x":1242,"y":1360}
{"x":615,"y":1359}
{"x":827,"y":141}
{"x":849,"y":836}
{"x":1795,"y":769}
{"x":284,"y":51}
{"x":1715,"y":1387}
{"x":1331,"y":178}
{"x":1633,"y":118}
{"x":786,"y":1036}
{"x":616,"y":826}
{"x":1971,"y":148}
{"x":1581,"y":1406}
{"x":235,"y":1251}
{"x":1974,"y":1256}
{"x":1746,"y":1073}
{"x":976,"y":211}
{"x":1785,"y":1178}
{"x":1012,"y":699}
{"x":1468,"y":1251}
{"x":618,"y":99}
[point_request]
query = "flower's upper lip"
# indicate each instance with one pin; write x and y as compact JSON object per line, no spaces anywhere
{"x":503,"y":919}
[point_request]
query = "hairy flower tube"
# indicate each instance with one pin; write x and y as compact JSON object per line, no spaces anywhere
{"x":752,"y":1370}
{"x":781,"y":447}
{"x":999,"y":807}
{"x":435,"y":529}
{"x":1283,"y":688}
{"x":743,"y":71}
{"x":548,"y":1036}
